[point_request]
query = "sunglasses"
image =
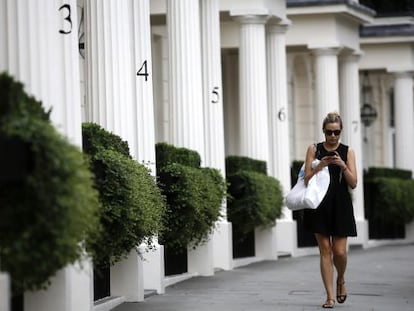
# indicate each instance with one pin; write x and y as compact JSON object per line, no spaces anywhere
{"x":335,"y":132}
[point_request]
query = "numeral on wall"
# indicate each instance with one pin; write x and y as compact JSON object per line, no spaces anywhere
{"x":143,"y":71}
{"x":68,"y":19}
{"x":216,"y":95}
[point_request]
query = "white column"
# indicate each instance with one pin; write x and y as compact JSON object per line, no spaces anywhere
{"x":110,"y":67}
{"x":185,"y":78}
{"x":404,"y":128}
{"x":39,"y":47}
{"x":213,"y":122}
{"x":186,"y":98}
{"x":120,"y":100}
{"x":142,"y":99}
{"x":352,"y":136}
{"x":142,"y":107}
{"x":326,"y":88}
{"x":254,"y":130}
{"x":4,"y":292}
{"x":279,"y":162}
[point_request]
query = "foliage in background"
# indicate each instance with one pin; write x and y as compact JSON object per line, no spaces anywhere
{"x":49,"y":211}
{"x":194,"y":197}
{"x":132,"y":204}
{"x":389,"y":195}
{"x":168,"y":154}
{"x":255,"y":199}
{"x":236,"y":163}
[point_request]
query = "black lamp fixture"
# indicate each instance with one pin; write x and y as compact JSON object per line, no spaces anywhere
{"x":368,"y":112}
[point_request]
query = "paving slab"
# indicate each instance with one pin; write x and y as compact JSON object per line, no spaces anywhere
{"x":377,"y":279}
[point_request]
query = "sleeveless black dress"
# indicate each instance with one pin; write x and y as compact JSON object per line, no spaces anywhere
{"x":335,"y":215}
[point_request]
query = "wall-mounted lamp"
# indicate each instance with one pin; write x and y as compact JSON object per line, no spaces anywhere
{"x":368,"y":112}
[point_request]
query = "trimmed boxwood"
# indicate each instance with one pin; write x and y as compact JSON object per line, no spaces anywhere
{"x":389,"y":199}
{"x":194,"y":197}
{"x":47,"y":213}
{"x":236,"y":163}
{"x":255,"y":200}
{"x":168,"y":154}
{"x":132,"y":204}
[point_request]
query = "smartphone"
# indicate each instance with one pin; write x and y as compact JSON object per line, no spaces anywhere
{"x":331,"y":154}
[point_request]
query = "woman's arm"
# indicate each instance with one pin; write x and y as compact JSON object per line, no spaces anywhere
{"x":348,"y":168}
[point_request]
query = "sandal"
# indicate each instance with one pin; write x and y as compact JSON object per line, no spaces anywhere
{"x":340,"y":296}
{"x":329,"y":304}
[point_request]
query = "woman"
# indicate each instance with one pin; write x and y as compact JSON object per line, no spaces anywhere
{"x":333,"y":221}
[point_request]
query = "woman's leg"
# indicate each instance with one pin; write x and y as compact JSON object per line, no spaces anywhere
{"x":340,"y":258}
{"x":325,"y":251}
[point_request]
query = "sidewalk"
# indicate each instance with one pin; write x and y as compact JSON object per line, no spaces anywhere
{"x":379,"y":278}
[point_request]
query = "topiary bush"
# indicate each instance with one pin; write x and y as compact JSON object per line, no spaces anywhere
{"x":389,"y":199}
{"x":131,"y":203}
{"x":194,"y":196}
{"x":49,"y":210}
{"x":255,"y":199}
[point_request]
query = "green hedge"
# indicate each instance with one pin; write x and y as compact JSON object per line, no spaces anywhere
{"x":45,"y":215}
{"x":96,"y":138}
{"x":132,"y":204}
{"x":168,"y":154}
{"x":194,"y":197}
{"x":374,"y":172}
{"x":234,"y":164}
{"x":389,"y":199}
{"x":255,"y":200}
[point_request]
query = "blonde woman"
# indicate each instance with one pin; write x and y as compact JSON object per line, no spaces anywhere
{"x":333,"y":221}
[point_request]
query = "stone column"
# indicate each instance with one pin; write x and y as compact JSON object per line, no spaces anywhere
{"x":142,"y":103}
{"x":4,"y":292}
{"x":186,"y":98}
{"x":352,"y":136}
{"x":404,"y":128}
{"x":119,"y":98}
{"x":110,"y":67}
{"x":279,"y":162}
{"x":142,"y":107}
{"x":326,"y":88}
{"x":213,"y":122}
{"x":254,"y":130}
{"x":39,"y":47}
{"x":185,"y":77}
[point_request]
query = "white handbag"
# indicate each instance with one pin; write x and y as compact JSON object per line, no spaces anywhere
{"x":310,"y":196}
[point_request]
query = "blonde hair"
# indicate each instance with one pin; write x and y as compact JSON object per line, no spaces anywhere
{"x":332,"y":117}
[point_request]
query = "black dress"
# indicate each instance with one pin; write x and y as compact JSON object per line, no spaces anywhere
{"x":335,"y":215}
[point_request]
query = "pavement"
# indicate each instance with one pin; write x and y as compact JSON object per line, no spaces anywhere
{"x":377,"y":279}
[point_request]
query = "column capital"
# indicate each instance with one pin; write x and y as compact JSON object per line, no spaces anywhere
{"x":350,"y":57}
{"x":325,"y":51}
{"x":403,"y":74}
{"x":277,"y":28}
{"x":251,"y":19}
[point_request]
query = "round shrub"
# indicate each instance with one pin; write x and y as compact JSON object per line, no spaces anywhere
{"x":255,"y":200}
{"x":47,"y":213}
{"x":131,"y":202}
{"x":194,"y":198}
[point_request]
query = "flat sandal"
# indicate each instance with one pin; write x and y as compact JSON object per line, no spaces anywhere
{"x":329,"y":304}
{"x":340,"y":297}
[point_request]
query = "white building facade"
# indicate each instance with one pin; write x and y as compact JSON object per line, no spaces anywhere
{"x":222,"y":77}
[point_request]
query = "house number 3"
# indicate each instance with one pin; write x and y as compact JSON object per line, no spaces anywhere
{"x":68,"y":19}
